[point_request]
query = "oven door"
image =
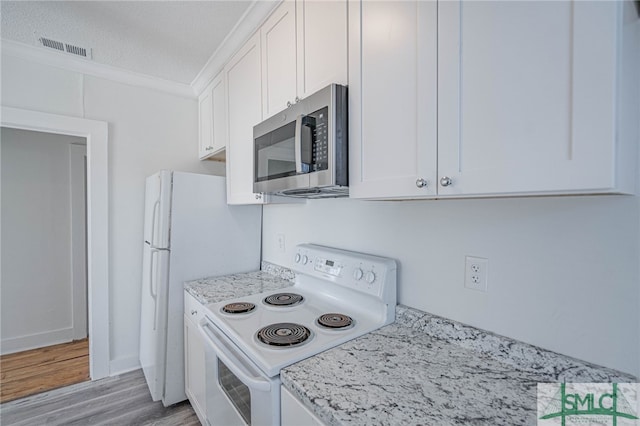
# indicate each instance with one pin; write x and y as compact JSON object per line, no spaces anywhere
{"x":237,"y":392}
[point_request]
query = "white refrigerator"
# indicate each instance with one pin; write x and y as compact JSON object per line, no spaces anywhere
{"x":189,"y":232}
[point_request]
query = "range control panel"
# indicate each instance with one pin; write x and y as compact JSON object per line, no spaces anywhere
{"x":366,"y":273}
{"x":328,"y":266}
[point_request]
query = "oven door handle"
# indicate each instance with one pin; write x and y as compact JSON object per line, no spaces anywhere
{"x":233,"y":363}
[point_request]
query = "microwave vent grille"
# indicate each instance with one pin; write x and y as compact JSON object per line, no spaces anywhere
{"x":314,"y":193}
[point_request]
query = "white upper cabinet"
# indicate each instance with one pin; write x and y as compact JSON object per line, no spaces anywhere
{"x":205,"y":122}
{"x":304,"y":48}
{"x":278,"y":35}
{"x":219,"y":104}
{"x":527,"y":94}
{"x":244,"y":101}
{"x":526,"y":98}
{"x":392,"y":99}
{"x":213,"y":119}
{"x":321,"y":44}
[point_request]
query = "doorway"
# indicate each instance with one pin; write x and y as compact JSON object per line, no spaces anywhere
{"x":43,"y":214}
{"x":95,"y":133}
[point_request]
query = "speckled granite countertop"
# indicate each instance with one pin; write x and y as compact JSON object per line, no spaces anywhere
{"x":217,"y":289}
{"x":427,"y":370}
{"x":420,"y":370}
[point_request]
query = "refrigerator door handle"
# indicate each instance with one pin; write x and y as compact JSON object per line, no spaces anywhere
{"x":152,"y":291}
{"x":153,"y":222}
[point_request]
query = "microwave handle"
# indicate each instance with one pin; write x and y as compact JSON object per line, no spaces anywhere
{"x":297,"y":147}
{"x":231,"y":361}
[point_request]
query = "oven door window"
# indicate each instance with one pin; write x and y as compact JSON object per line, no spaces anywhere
{"x":237,"y":392}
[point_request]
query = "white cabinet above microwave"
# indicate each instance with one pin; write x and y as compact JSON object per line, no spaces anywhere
{"x":304,"y":48}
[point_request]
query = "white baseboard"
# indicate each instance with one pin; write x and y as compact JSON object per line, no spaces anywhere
{"x":123,"y":365}
{"x":33,"y":341}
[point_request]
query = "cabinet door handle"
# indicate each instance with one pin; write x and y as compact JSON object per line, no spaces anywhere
{"x":421,"y":183}
{"x":209,"y":148}
{"x":258,"y":196}
{"x":193,"y":312}
{"x":446,"y":181}
{"x":297,"y":99}
{"x":289,"y":104}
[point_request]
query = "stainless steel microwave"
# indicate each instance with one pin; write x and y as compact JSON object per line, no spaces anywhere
{"x":303,"y":150}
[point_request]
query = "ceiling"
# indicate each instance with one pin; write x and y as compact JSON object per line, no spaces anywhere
{"x":171,"y":40}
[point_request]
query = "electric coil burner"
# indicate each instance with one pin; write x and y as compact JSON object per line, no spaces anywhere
{"x":337,"y":296}
{"x":283,"y":299}
{"x":238,"y":308}
{"x":283,"y":334}
{"x":335,"y":321}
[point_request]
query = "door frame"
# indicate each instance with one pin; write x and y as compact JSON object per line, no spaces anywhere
{"x":78,"y":217}
{"x":96,"y":134}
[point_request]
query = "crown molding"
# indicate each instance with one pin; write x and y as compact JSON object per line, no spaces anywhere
{"x":84,"y":66}
{"x":255,"y":15}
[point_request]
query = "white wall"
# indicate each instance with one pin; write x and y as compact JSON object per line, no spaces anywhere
{"x":563,"y":271}
{"x":36,"y":281}
{"x":148,"y":130}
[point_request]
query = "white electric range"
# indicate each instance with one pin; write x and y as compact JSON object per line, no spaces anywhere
{"x":337,"y":296}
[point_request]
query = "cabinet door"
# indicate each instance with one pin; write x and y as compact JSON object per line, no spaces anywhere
{"x":322,"y":44}
{"x":244,"y":111}
{"x":213,"y":119}
{"x":205,"y":122}
{"x":194,"y":359}
{"x":526,"y":96}
{"x":392,"y":98}
{"x":219,"y":112}
{"x":294,"y":413}
{"x":278,"y":36}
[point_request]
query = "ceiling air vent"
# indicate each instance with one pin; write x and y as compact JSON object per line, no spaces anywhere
{"x":65,"y":47}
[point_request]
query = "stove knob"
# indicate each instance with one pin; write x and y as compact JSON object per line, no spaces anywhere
{"x":371,"y":277}
{"x":305,"y":259}
{"x":297,"y":259}
{"x":357,"y":274}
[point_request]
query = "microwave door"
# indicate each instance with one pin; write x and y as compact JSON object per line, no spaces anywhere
{"x":275,"y":154}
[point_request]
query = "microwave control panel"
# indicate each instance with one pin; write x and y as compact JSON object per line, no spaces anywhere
{"x":320,"y":146}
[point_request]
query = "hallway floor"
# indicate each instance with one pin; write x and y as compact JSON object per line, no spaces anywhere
{"x":39,"y":370}
{"x":122,"y":400}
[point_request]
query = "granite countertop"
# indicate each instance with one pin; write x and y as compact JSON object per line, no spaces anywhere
{"x":428,"y":370}
{"x":217,"y":289}
{"x":420,"y":370}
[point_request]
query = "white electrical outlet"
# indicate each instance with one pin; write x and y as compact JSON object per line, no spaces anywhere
{"x":281,"y":245}
{"x":476,"y":272}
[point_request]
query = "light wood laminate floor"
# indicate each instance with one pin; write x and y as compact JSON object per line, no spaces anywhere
{"x":119,"y":400}
{"x":37,"y":370}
